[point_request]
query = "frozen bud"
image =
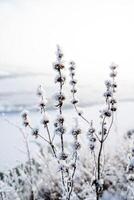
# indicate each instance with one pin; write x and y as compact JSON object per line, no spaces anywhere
{"x":104,"y":130}
{"x":113,"y":66}
{"x":73,"y":91}
{"x":35,"y":132}
{"x":130,"y":133}
{"x":73,"y":165}
{"x":60,"y":97}
{"x":74,"y":101}
{"x":60,"y":130}
{"x":59,"y":52}
{"x":113,"y":108}
{"x":107,"y":113}
{"x":108,"y":94}
{"x":25,"y":122}
{"x":45,"y":120}
{"x":76,"y":131}
{"x":61,"y":167}
{"x":42,"y":103}
{"x":40,"y":91}
{"x":60,"y":79}
{"x":72,"y":74}
{"x":131,"y":177}
{"x":63,"y":156}
{"x":76,"y":145}
{"x":80,"y":112}
{"x":73,"y":82}
{"x":72,"y":66}
{"x":113,"y":74}
{"x":72,"y":63}
{"x":114,"y":85}
{"x":60,"y":119}
{"x":91,"y":146}
{"x":113,"y":101}
{"x":24,"y":114}
{"x":108,"y":83}
{"x":92,"y":139}
{"x":91,"y":130}
{"x":58,"y":66}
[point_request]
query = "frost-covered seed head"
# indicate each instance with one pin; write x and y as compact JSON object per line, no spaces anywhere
{"x":73,"y":91}
{"x":113,"y":66}
{"x":113,"y":74}
{"x":72,"y":74}
{"x":24,"y":114}
{"x":108,"y":94}
{"x":91,"y":130}
{"x":130,"y":133}
{"x":73,"y":82}
{"x":60,"y":130}
{"x":74,"y":101}
{"x":113,"y":101}
{"x":76,"y":145}
{"x":60,"y":119}
{"x":92,"y":139}
{"x":107,"y":113}
{"x":59,"y":53}
{"x":25,"y":122}
{"x":60,"y":79}
{"x":58,"y":66}
{"x":63,"y":156}
{"x":72,"y":63}
{"x":60,"y":97}
{"x":35,"y":132}
{"x":113,"y":108}
{"x":114,"y":85}
{"x":44,"y":120}
{"x":42,"y":103}
{"x":76,"y":131}
{"x":91,"y":146}
{"x":108,"y":83}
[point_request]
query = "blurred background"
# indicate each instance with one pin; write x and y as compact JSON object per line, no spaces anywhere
{"x":92,"y":33}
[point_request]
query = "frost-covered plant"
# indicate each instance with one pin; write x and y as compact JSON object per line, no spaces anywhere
{"x":107,"y":118}
{"x":67,"y":163}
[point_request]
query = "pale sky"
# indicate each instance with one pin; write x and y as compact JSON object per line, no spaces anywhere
{"x":94,"y":33}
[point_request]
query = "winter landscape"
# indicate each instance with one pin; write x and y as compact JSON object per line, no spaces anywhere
{"x":66,"y":109}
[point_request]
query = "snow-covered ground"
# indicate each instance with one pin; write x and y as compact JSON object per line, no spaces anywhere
{"x":12,"y":148}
